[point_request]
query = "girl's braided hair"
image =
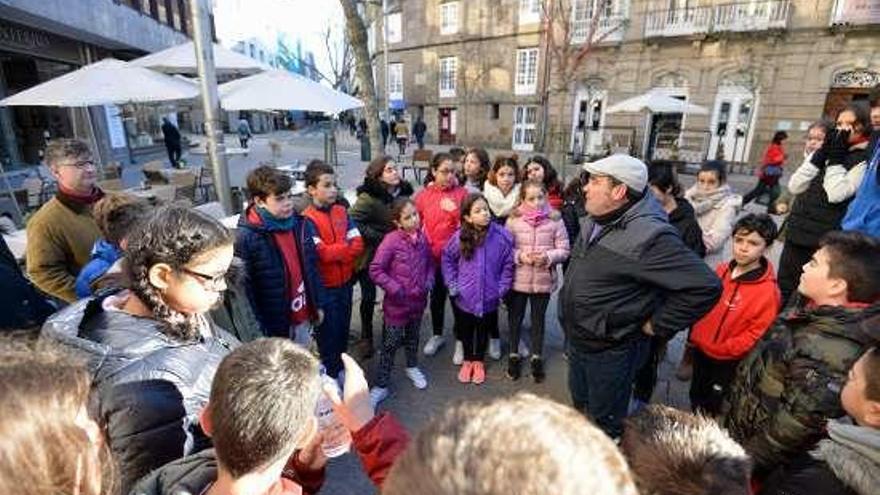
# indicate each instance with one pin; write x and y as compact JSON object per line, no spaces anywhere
{"x":174,"y":235}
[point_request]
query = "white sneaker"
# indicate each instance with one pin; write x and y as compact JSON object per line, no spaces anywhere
{"x":417,"y":378}
{"x":458,"y":355}
{"x":495,"y":349}
{"x":523,"y":349}
{"x":377,"y":395}
{"x":434,"y":343}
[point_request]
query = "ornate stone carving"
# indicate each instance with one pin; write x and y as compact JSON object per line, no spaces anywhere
{"x":858,"y":78}
{"x":670,"y":80}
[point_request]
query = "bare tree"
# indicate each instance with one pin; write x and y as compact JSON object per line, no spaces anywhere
{"x":340,"y":57}
{"x":572,"y":30}
{"x":357,"y":37}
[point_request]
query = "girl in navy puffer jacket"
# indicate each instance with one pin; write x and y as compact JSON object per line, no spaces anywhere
{"x":478,"y":269}
{"x":404,"y":269}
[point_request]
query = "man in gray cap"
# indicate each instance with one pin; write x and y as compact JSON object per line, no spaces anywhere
{"x":629,"y":277}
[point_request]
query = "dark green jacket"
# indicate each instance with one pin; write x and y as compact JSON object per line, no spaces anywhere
{"x":372,"y":215}
{"x":789,"y":385}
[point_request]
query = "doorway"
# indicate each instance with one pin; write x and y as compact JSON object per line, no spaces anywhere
{"x":665,"y":130}
{"x":732,"y":122}
{"x":447,"y":125}
{"x":589,"y":118}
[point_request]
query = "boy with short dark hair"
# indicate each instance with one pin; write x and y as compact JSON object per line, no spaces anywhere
{"x":261,"y":419}
{"x":276,"y":245}
{"x":748,"y":305}
{"x":116,"y":215}
{"x":338,"y":243}
{"x":788,"y":386}
{"x":848,"y":461}
{"x":673,"y":452}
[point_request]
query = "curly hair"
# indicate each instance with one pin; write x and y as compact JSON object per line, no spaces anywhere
{"x":174,"y":235}
{"x":471,"y":236}
{"x":551,"y":178}
{"x":117,"y":214}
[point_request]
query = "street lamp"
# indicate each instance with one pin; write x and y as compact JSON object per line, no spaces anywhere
{"x":199,"y":13}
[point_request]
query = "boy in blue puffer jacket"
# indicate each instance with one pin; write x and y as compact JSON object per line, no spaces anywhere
{"x":275,"y":243}
{"x":116,"y":215}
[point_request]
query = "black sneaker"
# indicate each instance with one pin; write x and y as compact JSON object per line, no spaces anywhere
{"x":513,"y":367}
{"x":538,"y":369}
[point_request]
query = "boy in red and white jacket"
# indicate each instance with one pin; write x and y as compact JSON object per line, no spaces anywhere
{"x":749,"y":303}
{"x":338,"y":243}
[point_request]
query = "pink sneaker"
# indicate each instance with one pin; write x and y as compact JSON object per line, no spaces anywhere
{"x":464,"y":375}
{"x":479,"y":375}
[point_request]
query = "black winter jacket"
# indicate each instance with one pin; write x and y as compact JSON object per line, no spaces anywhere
{"x":267,"y":280}
{"x":812,"y":215}
{"x":685,"y":221}
{"x":147,"y":388}
{"x":22,"y":306}
{"x":635,"y":269}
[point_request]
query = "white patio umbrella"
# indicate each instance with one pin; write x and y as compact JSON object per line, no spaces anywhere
{"x":109,"y":81}
{"x":181,"y":59}
{"x":656,"y":103}
{"x":281,"y":90}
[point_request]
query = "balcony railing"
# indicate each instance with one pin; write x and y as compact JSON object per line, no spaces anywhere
{"x":752,"y":16}
{"x":855,"y":12}
{"x":733,"y":17}
{"x":608,"y":29}
{"x":678,"y":22}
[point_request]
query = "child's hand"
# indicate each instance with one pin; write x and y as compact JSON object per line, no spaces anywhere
{"x":541,"y":259}
{"x":311,"y":455}
{"x":320,"y":318}
{"x":355,"y":410}
{"x":526,"y":258}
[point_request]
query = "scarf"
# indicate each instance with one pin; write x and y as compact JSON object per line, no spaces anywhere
{"x":500,"y":204}
{"x":77,"y":198}
{"x":534,"y":216}
{"x":852,"y":453}
{"x":703,"y":201}
{"x":272,"y":223}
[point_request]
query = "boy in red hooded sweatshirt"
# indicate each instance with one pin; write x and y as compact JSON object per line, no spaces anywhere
{"x":749,"y":303}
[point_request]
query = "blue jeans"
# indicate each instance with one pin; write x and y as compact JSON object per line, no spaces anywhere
{"x":332,"y":335}
{"x":601,"y":382}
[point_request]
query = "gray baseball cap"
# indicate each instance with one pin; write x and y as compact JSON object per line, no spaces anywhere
{"x":626,"y":169}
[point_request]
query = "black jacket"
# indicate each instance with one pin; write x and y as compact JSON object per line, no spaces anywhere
{"x":22,"y":306}
{"x":171,"y":134}
{"x":147,"y":388}
{"x":685,"y":221}
{"x":812,"y":215}
{"x":267,"y":280}
{"x":635,"y":269}
{"x":372,"y":215}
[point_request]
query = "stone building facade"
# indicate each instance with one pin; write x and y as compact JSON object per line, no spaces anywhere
{"x":755,"y":66}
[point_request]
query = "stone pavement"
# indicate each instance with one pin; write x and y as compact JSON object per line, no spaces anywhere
{"x":415,"y":407}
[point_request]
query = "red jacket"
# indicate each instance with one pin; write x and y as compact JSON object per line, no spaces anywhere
{"x":438,"y":221}
{"x":554,"y":196}
{"x":747,"y":307}
{"x":338,"y":243}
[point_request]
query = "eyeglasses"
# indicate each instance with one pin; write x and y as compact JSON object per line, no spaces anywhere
{"x":215,"y":283}
{"x":81,"y":164}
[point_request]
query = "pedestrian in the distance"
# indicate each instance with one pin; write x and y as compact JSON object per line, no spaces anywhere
{"x":770,"y":172}
{"x":244,"y":132}
{"x":403,"y":267}
{"x":401,"y":135}
{"x":171,"y":135}
{"x":419,"y":130}
{"x":385,"y":130}
{"x":540,"y":244}
{"x":478,"y":270}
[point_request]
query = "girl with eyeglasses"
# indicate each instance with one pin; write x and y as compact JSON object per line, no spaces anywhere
{"x":151,"y":349}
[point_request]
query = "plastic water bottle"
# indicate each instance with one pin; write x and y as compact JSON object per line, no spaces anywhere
{"x":337,"y":438}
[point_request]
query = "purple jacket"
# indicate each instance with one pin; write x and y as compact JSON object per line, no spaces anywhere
{"x":478,"y":284}
{"x":405,"y":271}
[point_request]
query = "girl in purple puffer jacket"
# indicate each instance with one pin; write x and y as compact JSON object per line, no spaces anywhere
{"x":541,"y":243}
{"x":404,"y":269}
{"x":478,"y":268}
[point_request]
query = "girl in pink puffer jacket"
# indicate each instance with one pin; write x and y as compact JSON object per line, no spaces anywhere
{"x":540,"y":243}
